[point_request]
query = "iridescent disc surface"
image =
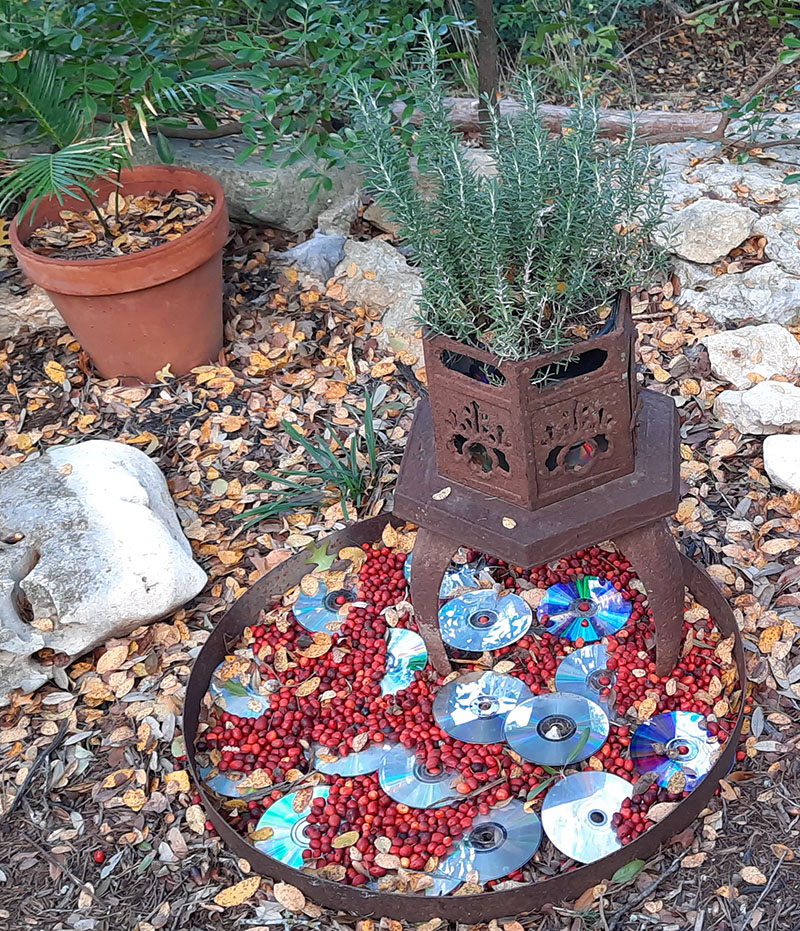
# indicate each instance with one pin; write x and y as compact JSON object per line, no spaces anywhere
{"x":455,"y":577}
{"x":405,"y":780}
{"x":584,"y":672}
{"x":226,"y":783}
{"x":473,"y":708}
{"x":556,"y":728}
{"x":288,"y":839}
{"x":480,"y":620}
{"x":590,"y":608}
{"x":405,"y":654}
{"x":674,"y":742}
{"x":317,"y":611}
{"x":354,"y":764}
{"x":497,"y":844}
{"x":233,"y":689}
{"x":577,"y":813}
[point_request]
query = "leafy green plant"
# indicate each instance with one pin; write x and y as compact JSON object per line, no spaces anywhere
{"x":517,"y":259}
{"x":346,"y":471}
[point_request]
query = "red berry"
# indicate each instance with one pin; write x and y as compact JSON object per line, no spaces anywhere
{"x":99,"y":856}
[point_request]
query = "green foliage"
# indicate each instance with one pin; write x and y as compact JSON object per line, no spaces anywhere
{"x":514,"y":262}
{"x":346,"y":471}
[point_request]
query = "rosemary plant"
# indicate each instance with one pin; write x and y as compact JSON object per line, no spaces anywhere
{"x":529,"y":258}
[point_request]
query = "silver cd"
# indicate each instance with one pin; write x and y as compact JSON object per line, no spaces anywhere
{"x":577,"y":813}
{"x":556,"y":728}
{"x":473,"y":708}
{"x":234,"y":687}
{"x":482,"y":620}
{"x":315,"y":612}
{"x":358,"y":763}
{"x":227,"y":783}
{"x":407,"y":781}
{"x":455,"y":576}
{"x":585,"y":672}
{"x":288,"y":840}
{"x":405,"y":654}
{"x":497,"y":844}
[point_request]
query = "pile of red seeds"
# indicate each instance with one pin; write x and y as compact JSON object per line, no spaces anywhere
{"x":327,"y":691}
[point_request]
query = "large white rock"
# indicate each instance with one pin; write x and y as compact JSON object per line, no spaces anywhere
{"x":377,"y":276}
{"x":764,"y":294}
{"x":99,"y":552}
{"x":765,"y":350}
{"x":707,"y":229}
{"x":769,"y":407}
{"x":782,"y":230}
{"x":33,"y":310}
{"x":782,"y":460}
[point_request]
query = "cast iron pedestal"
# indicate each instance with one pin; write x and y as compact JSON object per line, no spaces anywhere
{"x":629,"y":510}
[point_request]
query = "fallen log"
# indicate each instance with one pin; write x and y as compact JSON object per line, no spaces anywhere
{"x":660,"y":123}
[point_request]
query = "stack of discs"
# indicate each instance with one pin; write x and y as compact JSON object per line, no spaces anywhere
{"x":588,"y":609}
{"x":556,"y":728}
{"x":483,"y":620}
{"x":577,"y":814}
{"x":474,"y":707}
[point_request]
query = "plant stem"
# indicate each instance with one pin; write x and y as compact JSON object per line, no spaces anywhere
{"x":99,"y":215}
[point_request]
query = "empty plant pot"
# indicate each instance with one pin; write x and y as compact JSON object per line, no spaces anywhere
{"x":135,"y":314}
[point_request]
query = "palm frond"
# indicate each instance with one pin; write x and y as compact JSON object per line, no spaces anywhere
{"x":193,"y":91}
{"x":59,"y":174}
{"x":42,"y":93}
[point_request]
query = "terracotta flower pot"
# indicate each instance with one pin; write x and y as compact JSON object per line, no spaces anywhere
{"x":136,"y":313}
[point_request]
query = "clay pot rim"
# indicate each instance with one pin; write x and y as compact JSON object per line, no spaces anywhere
{"x":209,"y":185}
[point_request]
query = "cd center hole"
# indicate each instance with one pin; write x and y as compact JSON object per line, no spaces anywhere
{"x":583,"y":607}
{"x":487,"y":836}
{"x":423,"y":774}
{"x":597,"y":817}
{"x":483,"y":619}
{"x":678,"y":748}
{"x":342,"y":596}
{"x":556,"y":727}
{"x":601,"y":679}
{"x":485,"y":704}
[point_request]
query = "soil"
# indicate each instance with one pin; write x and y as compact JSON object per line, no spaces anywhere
{"x":127,"y":224}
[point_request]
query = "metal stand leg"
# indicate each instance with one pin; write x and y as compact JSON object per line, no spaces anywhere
{"x":656,"y":560}
{"x":432,"y":556}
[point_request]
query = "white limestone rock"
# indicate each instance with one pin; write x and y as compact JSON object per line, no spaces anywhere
{"x":782,"y":230}
{"x":764,"y":294}
{"x":33,"y":310}
{"x":91,"y":547}
{"x":769,"y":407}
{"x":782,"y":460}
{"x":764,"y":351}
{"x":706,"y":229}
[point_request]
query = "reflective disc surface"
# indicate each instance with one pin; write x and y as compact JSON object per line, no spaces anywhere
{"x":288,"y":839}
{"x":556,"y":728}
{"x":473,"y":708}
{"x":405,"y":654}
{"x":673,"y":742}
{"x":405,"y":780}
{"x":482,"y":620}
{"x":588,"y":608}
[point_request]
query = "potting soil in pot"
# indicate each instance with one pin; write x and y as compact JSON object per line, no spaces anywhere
{"x":334,"y":747}
{"x":134,"y":222}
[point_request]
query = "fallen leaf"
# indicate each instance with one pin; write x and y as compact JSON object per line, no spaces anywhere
{"x":289,"y":897}
{"x":239,"y":893}
{"x":55,"y":372}
{"x":753,"y":876}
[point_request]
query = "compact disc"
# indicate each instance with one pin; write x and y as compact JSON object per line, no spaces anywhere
{"x":455,"y":577}
{"x":556,"y":728}
{"x":441,"y":885}
{"x":588,"y":608}
{"x":473,"y":708}
{"x":674,"y":742}
{"x":482,"y":620}
{"x":405,"y":654}
{"x":577,"y":813}
{"x":584,"y":672}
{"x":357,"y":763}
{"x":497,"y":844}
{"x":226,"y":783}
{"x":315,"y":612}
{"x":289,"y":839}
{"x":233,"y":688}
{"x":406,"y":780}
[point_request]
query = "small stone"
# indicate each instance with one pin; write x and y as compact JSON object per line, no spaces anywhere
{"x":707,"y":229}
{"x":782,"y":231}
{"x":32,"y":309}
{"x":317,"y":256}
{"x":764,"y":294}
{"x":101,"y":553}
{"x":782,"y":460}
{"x":338,"y":218}
{"x":769,"y":407}
{"x":763,"y":351}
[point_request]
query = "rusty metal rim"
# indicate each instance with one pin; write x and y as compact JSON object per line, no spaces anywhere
{"x":468,"y":908}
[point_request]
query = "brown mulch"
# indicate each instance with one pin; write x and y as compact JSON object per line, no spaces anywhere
{"x":107,"y":778}
{"x":120,"y":226}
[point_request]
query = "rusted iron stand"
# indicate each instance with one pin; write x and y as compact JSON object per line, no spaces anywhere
{"x":628,"y":509}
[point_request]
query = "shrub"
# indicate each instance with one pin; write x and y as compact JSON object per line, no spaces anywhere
{"x":518,"y":261}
